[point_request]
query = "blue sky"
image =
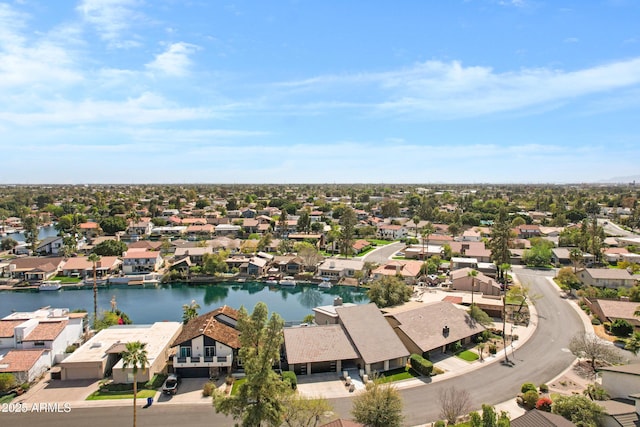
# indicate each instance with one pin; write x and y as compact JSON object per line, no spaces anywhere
{"x":169,"y":91}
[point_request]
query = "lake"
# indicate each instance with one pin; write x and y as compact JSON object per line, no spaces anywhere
{"x":152,"y":304}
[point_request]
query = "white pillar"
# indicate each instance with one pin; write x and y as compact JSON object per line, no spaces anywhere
{"x":309,"y":368}
{"x":338,"y":365}
{"x":386,"y":365}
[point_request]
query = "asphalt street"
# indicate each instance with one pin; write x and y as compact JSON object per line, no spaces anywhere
{"x":543,"y":357}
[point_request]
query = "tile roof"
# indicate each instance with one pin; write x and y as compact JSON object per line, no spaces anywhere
{"x":424,"y":325}
{"x":82,"y":263}
{"x":317,"y":344}
{"x":537,"y":418}
{"x":7,"y":327}
{"x":609,"y":273}
{"x":342,"y":423}
{"x":371,"y":334}
{"x":613,"y":309}
{"x":19,"y":360}
{"x":632,"y":369}
{"x":141,"y":254}
{"x":46,"y":331}
{"x":30,"y":263}
{"x":208,"y":324}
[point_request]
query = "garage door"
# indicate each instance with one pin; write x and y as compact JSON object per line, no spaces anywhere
{"x":81,"y":373}
{"x":318,"y":367}
{"x":193,"y":372}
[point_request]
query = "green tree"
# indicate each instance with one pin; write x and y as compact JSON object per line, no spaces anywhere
{"x":304,"y":221}
{"x":282,"y":223}
{"x":190,"y":311}
{"x":576,"y":256}
{"x":388,"y":291}
{"x":379,"y":406}
{"x":113,"y":224}
{"x":489,"y":416}
{"x":215,"y":263}
{"x":426,"y":232}
{"x":30,"y":224}
{"x":580,"y":410}
{"x":348,"y":222}
{"x":538,"y":256}
{"x":7,"y":381}
{"x":94,"y":259}
{"x":309,"y":254}
{"x":501,"y":236}
{"x":112,"y":318}
{"x":260,"y":399}
{"x":110,"y":248}
{"x":568,"y":278}
{"x":135,"y":357}
{"x":633,"y":344}
{"x":8,"y":244}
{"x":480,"y":316}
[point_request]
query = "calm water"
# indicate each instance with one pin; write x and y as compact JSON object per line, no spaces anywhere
{"x":147,"y":305}
{"x":44,"y":232}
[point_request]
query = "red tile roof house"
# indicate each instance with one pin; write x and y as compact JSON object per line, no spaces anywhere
{"x":207,"y":343}
{"x":82,"y":267}
{"x":409,"y":270}
{"x":25,"y":365}
{"x":361,"y":339}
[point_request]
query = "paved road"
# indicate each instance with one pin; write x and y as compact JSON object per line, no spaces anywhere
{"x":382,"y":254}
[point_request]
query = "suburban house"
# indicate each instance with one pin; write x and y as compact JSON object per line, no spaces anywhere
{"x":289,"y":265}
{"x":362,"y":339}
{"x":408,"y":270}
{"x":360,"y":245}
{"x":392,"y":232}
{"x":139,"y":229}
{"x":458,"y":263}
{"x":199,"y":231}
{"x":609,"y":310}
{"x":101,"y":356}
{"x":35,"y":268}
{"x":606,"y":277}
{"x":614,"y":255}
{"x":471,"y":249}
{"x":622,"y":382}
{"x":140,"y":261}
{"x":423,"y":251}
{"x":432,"y":327}
{"x":90,"y":229}
{"x":526,"y":231}
{"x":461,"y":280}
{"x":196,"y":255}
{"x":227,"y":230}
{"x":336,"y":268}
{"x":538,"y":418}
{"x":562,"y":256}
{"x":49,"y":330}
{"x":50,"y":246}
{"x":25,"y":365}
{"x":471,"y":235}
{"x":207,"y":343}
{"x":83,"y":268}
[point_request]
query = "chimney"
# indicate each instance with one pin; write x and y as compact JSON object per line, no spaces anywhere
{"x":337,"y":301}
{"x":445,"y":331}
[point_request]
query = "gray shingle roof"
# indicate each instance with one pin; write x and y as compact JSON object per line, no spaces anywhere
{"x":536,"y":418}
{"x":371,"y":334}
{"x":318,"y":344}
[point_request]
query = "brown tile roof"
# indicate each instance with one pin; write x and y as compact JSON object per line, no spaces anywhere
{"x":613,"y":309}
{"x":424,"y":326}
{"x":632,"y":369}
{"x":141,"y":254}
{"x":208,"y":325}
{"x":30,"y":263}
{"x":144,"y":244}
{"x":19,"y":360}
{"x":371,"y":334}
{"x":537,"y":418}
{"x":82,"y":263}
{"x":609,"y":273}
{"x":317,"y":344}
{"x":7,"y":327}
{"x":46,"y":331}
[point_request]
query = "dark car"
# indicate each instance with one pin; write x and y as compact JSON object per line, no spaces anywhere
{"x":170,"y":385}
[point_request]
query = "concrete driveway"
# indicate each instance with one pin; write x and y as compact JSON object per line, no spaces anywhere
{"x":48,"y":390}
{"x":189,"y":392}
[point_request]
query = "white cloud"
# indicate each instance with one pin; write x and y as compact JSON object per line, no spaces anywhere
{"x":174,"y":61}
{"x":571,"y":40}
{"x":112,"y":19}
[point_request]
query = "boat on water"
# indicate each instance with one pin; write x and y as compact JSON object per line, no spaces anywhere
{"x":271,"y":281}
{"x":325,"y":284}
{"x":50,"y":285}
{"x":287,"y":281}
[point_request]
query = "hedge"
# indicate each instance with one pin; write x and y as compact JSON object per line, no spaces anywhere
{"x":291,"y":377}
{"x":421,"y":365}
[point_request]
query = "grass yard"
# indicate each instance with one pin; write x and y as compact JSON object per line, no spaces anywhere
{"x":110,"y":395}
{"x":65,"y":279}
{"x":379,"y":242}
{"x":8,"y":398}
{"x":468,"y":356}
{"x":236,"y":386}
{"x":397,"y":375}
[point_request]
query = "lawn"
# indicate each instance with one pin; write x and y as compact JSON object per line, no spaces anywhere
{"x":467,"y":355}
{"x":397,"y":375}
{"x":65,"y":279}
{"x":378,"y":242}
{"x":236,"y":386}
{"x":8,"y":398}
{"x":142,"y":394}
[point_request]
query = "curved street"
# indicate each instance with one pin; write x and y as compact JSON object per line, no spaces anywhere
{"x":543,"y":357}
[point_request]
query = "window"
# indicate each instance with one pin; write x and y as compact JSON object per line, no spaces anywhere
{"x":185,"y":351}
{"x":38,"y":343}
{"x":209,"y":351}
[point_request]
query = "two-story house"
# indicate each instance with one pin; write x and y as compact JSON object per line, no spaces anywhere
{"x":141,"y":261}
{"x":207,"y":343}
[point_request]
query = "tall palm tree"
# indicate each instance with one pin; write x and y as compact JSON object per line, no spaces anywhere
{"x":427,"y":231}
{"x":576,"y":256}
{"x":472,"y":274}
{"x":135,"y":356}
{"x":95,"y":258}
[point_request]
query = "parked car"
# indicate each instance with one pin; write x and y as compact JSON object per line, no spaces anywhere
{"x":171,"y":384}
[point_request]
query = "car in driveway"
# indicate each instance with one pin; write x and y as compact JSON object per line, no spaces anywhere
{"x":171,"y":384}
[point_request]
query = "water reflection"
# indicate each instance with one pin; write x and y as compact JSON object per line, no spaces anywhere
{"x":310,"y":297}
{"x":215,"y":294}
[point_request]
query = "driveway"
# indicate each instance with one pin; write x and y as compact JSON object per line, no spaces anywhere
{"x":189,"y":392}
{"x":48,"y":390}
{"x":382,"y":254}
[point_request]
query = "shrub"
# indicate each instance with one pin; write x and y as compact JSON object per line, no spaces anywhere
{"x":544,"y":404}
{"x":596,"y":321}
{"x":208,"y":388}
{"x":493,"y":349}
{"x":25,"y":386}
{"x":229,"y":380}
{"x":70,"y":348}
{"x":155,"y":382}
{"x":291,"y":377}
{"x":439,"y":423}
{"x":421,"y":365}
{"x":607,"y":326}
{"x":530,"y":398}
{"x":621,"y":328}
{"x":543,"y":388}
{"x":7,"y":382}
{"x":456,"y":346}
{"x":528,"y":386}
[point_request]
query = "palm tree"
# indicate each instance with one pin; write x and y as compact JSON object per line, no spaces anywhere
{"x":190,"y":311}
{"x":427,"y":231}
{"x":135,"y":356}
{"x":576,"y":257}
{"x":472,"y":274}
{"x":95,"y":258}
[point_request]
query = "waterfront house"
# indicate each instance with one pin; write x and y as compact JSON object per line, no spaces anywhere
{"x":83,"y":268}
{"x":337,"y":268}
{"x":101,"y":356}
{"x":196,"y":255}
{"x":408,"y":270}
{"x":49,"y":329}
{"x":35,"y":268}
{"x":206,"y":344}
{"x":289,"y":265}
{"x":50,"y":246}
{"x":141,"y":261}
{"x":25,"y":365}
